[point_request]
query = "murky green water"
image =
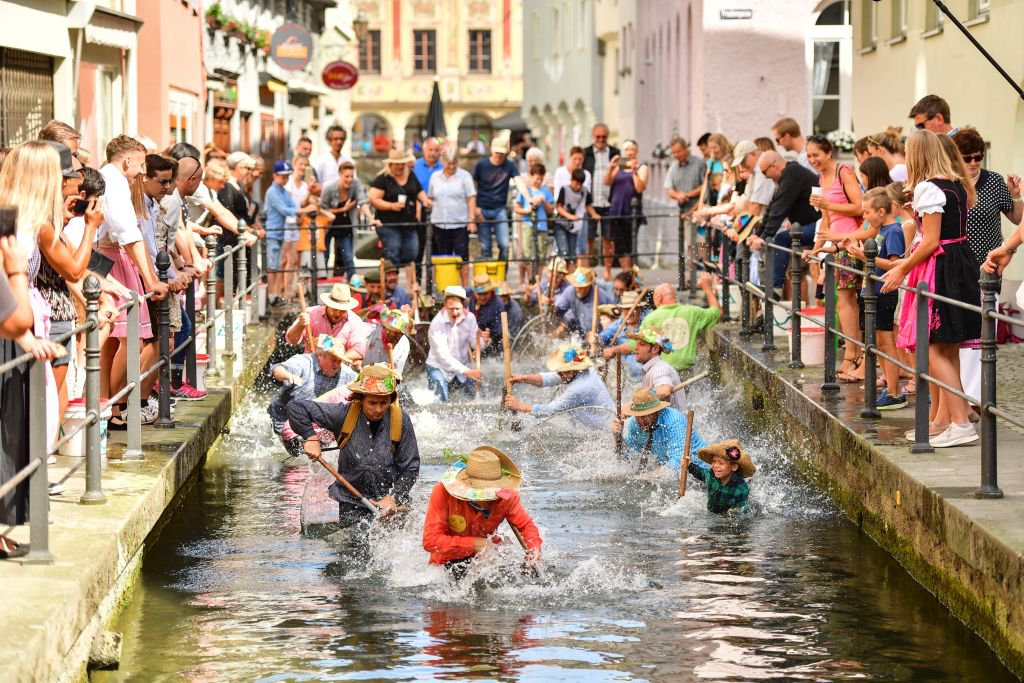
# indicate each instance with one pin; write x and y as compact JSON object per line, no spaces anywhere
{"x":639,"y":588}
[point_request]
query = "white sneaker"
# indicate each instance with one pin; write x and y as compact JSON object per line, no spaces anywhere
{"x":955,"y":435}
{"x":149,"y":414}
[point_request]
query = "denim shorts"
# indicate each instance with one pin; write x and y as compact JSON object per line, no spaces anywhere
{"x":57,"y":328}
{"x":274,"y":252}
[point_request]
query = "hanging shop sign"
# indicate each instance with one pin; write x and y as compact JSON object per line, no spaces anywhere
{"x":340,"y":75}
{"x":291,"y":47}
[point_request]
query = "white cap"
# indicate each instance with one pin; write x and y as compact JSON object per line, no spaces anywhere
{"x":455,"y":290}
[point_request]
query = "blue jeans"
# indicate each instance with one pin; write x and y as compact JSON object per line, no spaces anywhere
{"x":442,"y":387}
{"x":344,"y":256}
{"x":495,"y":223}
{"x":782,"y":238}
{"x":569,"y":245}
{"x":178,"y":359}
{"x":400,"y":244}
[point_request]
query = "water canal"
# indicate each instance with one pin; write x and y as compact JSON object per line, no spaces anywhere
{"x":639,"y":586}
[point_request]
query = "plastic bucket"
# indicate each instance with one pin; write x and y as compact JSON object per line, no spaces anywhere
{"x":495,"y":269}
{"x":446,"y":271}
{"x":73,"y":418}
{"x":238,"y":324}
{"x":812,"y":345}
{"x":202,"y":360}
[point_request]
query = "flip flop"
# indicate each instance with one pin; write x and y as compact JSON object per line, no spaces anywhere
{"x":847,"y":378}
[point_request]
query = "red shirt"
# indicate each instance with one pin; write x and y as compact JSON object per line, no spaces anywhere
{"x":452,"y":524}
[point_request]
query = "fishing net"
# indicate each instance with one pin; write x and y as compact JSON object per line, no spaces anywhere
{"x":319,"y":514}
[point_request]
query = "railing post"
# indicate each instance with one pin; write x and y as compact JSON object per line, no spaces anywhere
{"x":681,"y":275}
{"x":314,"y":271}
{"x":93,"y":466}
{"x":211,"y":310}
{"x":38,"y":498}
{"x":990,"y":285}
{"x":190,"y":351}
{"x":692,"y":296}
{"x":428,"y":258}
{"x":133,"y":353}
{"x":164,"y":421}
{"x":723,"y":263}
{"x":796,"y":264}
{"x":830,"y":383}
{"x":228,"y":356}
{"x":535,"y":240}
{"x":261,"y":294}
{"x":870,"y":331}
{"x":744,"y":277}
{"x":242,"y":268}
{"x":767,"y":282}
{"x":922,"y":443}
{"x":634,"y":210}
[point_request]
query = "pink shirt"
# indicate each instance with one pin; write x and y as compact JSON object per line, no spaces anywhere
{"x":351,"y":329}
{"x":835,"y":194}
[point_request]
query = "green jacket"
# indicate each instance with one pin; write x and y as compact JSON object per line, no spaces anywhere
{"x":682,"y":323}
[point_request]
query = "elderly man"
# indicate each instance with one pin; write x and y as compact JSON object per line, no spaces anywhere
{"x":333,"y":317}
{"x":576,"y":308}
{"x":428,"y":164}
{"x":378,"y":453}
{"x":569,"y":365}
{"x":685,"y":178}
{"x":596,"y":160}
{"x":682,"y":323}
{"x":452,"y":334}
{"x":656,"y":429}
{"x":306,"y":376}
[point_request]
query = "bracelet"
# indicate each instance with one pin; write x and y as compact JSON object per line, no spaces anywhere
{"x":1005,"y":246}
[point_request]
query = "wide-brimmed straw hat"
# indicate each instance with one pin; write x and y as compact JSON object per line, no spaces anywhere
{"x":332,"y":345}
{"x":644,"y":402}
{"x":482,"y":283}
{"x":399,"y":156}
{"x":502,"y":289}
{"x":731,"y":451}
{"x":484,"y":473}
{"x":376,"y":380}
{"x":652,"y":336}
{"x":625,"y":303}
{"x":339,"y":298}
{"x":582,"y":277}
{"x":569,"y":359}
{"x":396,"y":320}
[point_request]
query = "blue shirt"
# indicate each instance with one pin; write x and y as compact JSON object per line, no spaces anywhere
{"x":585,"y":389}
{"x":615,"y":334}
{"x":488,"y":317}
{"x":578,"y":313}
{"x":890,"y":244}
{"x":492,"y":183}
{"x":399,"y":297}
{"x":279,"y":206}
{"x":668,"y":438}
{"x":423,"y":172}
{"x":542,"y":213}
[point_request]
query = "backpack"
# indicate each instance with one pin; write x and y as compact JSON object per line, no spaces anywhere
{"x":355,"y":409}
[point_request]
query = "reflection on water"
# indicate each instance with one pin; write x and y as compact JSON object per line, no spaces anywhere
{"x":639,"y":586}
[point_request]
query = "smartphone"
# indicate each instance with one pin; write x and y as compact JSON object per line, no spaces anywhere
{"x":80,"y":206}
{"x":623,"y":164}
{"x":8,"y":221}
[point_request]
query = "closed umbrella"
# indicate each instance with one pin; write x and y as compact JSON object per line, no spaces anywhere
{"x":435,"y":115}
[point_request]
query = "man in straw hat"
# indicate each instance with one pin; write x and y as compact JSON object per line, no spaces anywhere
{"x":614,"y":337}
{"x":539,"y":293}
{"x":307,"y":376}
{"x":452,"y":334}
{"x":393,"y":329}
{"x":487,"y":308}
{"x":335,"y":318}
{"x":571,"y":366}
{"x":378,"y":453}
{"x":576,"y":308}
{"x":468,"y":505}
{"x":725,"y":479}
{"x":654,"y":428}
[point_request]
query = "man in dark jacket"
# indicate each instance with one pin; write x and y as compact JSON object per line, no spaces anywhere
{"x":791,"y":202}
{"x":596,"y":159}
{"x":379,"y":455}
{"x":487,"y":307}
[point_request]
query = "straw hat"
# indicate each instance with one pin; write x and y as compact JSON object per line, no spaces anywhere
{"x":502,"y":289}
{"x":339,"y":298}
{"x":482,"y":283}
{"x":483,"y":475}
{"x":569,"y":359}
{"x":628,"y":300}
{"x":455,"y":290}
{"x":731,"y":451}
{"x":332,"y":345}
{"x":645,"y":402}
{"x":499,"y":145}
{"x":582,"y":277}
{"x":377,"y":380}
{"x":561,"y":266}
{"x":399,"y":156}
{"x":652,"y":336}
{"x":394,"y":319}
{"x":357,"y":283}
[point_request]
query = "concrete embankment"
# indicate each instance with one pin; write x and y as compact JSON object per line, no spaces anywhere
{"x":919,"y":507}
{"x":53,"y":613}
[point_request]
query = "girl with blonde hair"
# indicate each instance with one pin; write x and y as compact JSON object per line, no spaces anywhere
{"x":942,"y":260}
{"x":30,"y":180}
{"x":888,"y":146}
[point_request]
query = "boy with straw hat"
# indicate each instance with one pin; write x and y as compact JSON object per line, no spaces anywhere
{"x":571,"y":366}
{"x":468,"y":505}
{"x":656,"y":429}
{"x":726,"y":479}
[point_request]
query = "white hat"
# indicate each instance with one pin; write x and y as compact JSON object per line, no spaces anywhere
{"x":499,"y":145}
{"x":741,"y":150}
{"x":455,"y":290}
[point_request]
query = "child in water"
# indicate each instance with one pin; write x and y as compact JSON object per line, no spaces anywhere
{"x":731,"y":466}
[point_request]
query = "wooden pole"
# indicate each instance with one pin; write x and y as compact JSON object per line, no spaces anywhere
{"x":618,"y":405}
{"x":692,"y":380}
{"x":506,"y":348}
{"x":351,"y":489}
{"x":686,"y":453}
{"x":538,"y":572}
{"x":383,"y":287}
{"x":593,"y":319}
{"x":309,"y":328}
{"x":391,"y":355}
{"x":477,"y":358}
{"x":551,"y":286}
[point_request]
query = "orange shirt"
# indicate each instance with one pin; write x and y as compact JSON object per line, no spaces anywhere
{"x":452,"y":524}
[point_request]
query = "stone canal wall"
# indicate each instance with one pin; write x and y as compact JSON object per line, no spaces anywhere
{"x":920,"y":508}
{"x":54,"y":613}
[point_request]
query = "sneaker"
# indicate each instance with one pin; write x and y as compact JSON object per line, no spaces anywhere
{"x":154,"y":405}
{"x":955,"y":435}
{"x":149,"y":414}
{"x":55,"y":488}
{"x":911,"y":435}
{"x":889,"y":402}
{"x":187,"y":392}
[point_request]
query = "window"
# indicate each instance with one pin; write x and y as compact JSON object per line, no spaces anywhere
{"x":424,"y":52}
{"x":830,"y":56}
{"x":932,"y":20}
{"x":182,"y":108}
{"x":535,"y":35}
{"x":479,"y":52}
{"x":898,"y":29}
{"x":868,"y":25}
{"x":979,"y":9}
{"x":556,"y":30}
{"x":369,"y":53}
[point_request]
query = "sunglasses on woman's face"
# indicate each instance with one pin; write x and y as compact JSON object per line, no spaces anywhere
{"x":972,"y":158}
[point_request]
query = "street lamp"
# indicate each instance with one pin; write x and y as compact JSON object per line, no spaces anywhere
{"x":360,"y":25}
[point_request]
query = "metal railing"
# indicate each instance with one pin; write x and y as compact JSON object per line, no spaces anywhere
{"x":36,"y":469}
{"x":989,"y":409}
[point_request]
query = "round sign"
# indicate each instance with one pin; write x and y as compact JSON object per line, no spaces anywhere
{"x":340,"y":75}
{"x":291,"y":47}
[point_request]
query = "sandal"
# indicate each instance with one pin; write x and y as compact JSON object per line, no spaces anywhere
{"x":11,"y":549}
{"x":847,"y":378}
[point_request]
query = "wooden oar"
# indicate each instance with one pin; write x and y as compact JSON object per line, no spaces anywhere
{"x":476,"y":358}
{"x":619,"y":446}
{"x":351,"y":489}
{"x":537,"y":571}
{"x":391,"y":356}
{"x":302,"y":307}
{"x":383,"y":287}
{"x":686,"y":453}
{"x":692,"y":380}
{"x":593,"y":320}
{"x":551,"y":285}
{"x":622,"y":322}
{"x":506,"y":347}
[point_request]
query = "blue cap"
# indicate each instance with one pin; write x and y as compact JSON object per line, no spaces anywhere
{"x":282,"y":168}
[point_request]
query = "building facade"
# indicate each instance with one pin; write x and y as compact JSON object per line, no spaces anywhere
{"x":472,"y":48}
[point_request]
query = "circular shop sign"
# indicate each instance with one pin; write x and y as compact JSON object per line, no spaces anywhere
{"x":291,"y":47}
{"x":340,"y":75}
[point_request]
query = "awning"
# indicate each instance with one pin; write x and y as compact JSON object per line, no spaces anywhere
{"x":110,"y":37}
{"x":305,"y":87}
{"x":273,"y":84}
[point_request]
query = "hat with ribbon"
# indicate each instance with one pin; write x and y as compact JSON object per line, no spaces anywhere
{"x":625,"y":303}
{"x":729,"y":450}
{"x":332,"y":345}
{"x":484,"y":474}
{"x":582,"y":277}
{"x":482,"y":283}
{"x":377,"y":380}
{"x":394,"y":319}
{"x":357,"y":283}
{"x":569,"y":359}
{"x":745,"y":224}
{"x":644,"y":402}
{"x":502,"y":289}
{"x":339,"y":298}
{"x":561,"y":266}
{"x":652,"y":336}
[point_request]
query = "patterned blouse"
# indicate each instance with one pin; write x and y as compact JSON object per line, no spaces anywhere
{"x":984,"y":226}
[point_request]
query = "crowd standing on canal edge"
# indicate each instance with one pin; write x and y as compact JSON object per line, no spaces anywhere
{"x":934,"y":211}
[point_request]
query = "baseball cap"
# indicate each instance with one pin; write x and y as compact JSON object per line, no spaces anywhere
{"x":282,"y":167}
{"x":499,"y":145}
{"x":67,"y":166}
{"x":741,"y":150}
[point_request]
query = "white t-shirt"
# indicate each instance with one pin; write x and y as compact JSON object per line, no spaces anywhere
{"x":326,"y":167}
{"x":74,"y":231}
{"x":563,"y":175}
{"x":120,"y":224}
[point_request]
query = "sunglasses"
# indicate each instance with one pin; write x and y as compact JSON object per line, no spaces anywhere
{"x":972,"y":158}
{"x":920,"y":126}
{"x":164,"y":183}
